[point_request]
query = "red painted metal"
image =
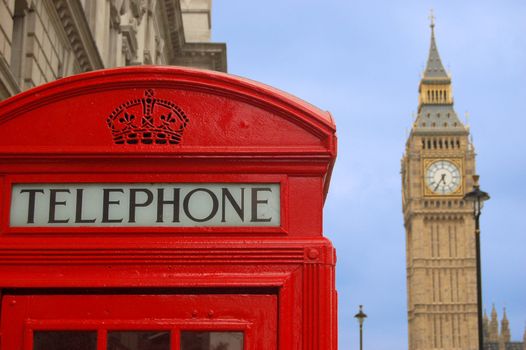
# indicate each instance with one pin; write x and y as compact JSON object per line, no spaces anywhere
{"x":255,"y":315}
{"x":237,"y":131}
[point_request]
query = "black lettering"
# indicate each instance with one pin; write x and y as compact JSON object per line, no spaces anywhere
{"x":215,"y":204}
{"x":240,"y":209}
{"x":133,"y":201}
{"x":53,"y":204}
{"x":256,"y":202}
{"x":31,"y":204}
{"x":106,"y":204}
{"x":78,"y":209}
{"x":161,"y":203}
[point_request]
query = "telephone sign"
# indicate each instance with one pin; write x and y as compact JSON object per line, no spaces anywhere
{"x":177,"y":205}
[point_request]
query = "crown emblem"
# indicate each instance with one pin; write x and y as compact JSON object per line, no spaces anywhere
{"x":147,"y":120}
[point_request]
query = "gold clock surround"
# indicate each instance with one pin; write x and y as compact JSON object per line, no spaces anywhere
{"x":458,"y":163}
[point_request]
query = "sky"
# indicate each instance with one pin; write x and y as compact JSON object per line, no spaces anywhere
{"x":362,"y":61}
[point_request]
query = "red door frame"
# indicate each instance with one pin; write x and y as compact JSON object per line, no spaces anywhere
{"x":175,"y":313}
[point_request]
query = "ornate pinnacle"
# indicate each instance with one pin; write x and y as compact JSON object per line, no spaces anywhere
{"x":431,"y":19}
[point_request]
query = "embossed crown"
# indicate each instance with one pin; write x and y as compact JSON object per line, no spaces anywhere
{"x":147,"y":120}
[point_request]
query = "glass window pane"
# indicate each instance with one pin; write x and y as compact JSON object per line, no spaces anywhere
{"x":139,"y":340}
{"x":64,"y":340}
{"x":211,"y":340}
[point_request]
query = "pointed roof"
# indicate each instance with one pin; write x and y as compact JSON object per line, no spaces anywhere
{"x":485,"y":326}
{"x":504,"y":316}
{"x":493,"y":312}
{"x":505,"y":328}
{"x":436,"y":114}
{"x":494,"y":326}
{"x":434,"y":67}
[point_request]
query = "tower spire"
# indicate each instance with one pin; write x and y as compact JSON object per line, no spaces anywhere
{"x":494,"y":326}
{"x":432,"y":19}
{"x":434,"y":67}
{"x":485,"y":326}
{"x":505,"y":328}
{"x":435,"y":95}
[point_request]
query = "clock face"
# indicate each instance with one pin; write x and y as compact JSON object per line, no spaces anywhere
{"x":443,"y":177}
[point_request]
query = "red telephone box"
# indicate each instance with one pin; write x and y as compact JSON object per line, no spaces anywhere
{"x":164,"y":208}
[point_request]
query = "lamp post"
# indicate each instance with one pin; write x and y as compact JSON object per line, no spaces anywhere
{"x":360,"y":316}
{"x":478,"y":197}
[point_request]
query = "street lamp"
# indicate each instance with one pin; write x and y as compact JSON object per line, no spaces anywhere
{"x":478,"y":197}
{"x":360,"y":316}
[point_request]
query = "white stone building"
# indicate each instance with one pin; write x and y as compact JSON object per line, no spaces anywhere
{"x":44,"y":40}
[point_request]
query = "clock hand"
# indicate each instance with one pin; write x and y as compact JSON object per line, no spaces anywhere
{"x":443,"y":178}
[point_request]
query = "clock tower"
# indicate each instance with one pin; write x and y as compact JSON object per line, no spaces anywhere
{"x":437,"y":170}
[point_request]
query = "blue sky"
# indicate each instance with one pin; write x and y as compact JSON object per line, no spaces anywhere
{"x":362,"y":61}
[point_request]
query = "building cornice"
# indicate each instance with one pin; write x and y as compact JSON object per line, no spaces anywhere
{"x":79,"y":34}
{"x":435,"y":81}
{"x":206,"y":55}
{"x":438,"y":132}
{"x":213,"y":54}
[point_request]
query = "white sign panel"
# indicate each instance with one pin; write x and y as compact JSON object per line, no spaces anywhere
{"x":140,"y":204}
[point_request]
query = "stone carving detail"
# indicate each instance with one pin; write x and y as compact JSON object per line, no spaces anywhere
{"x":151,"y":6}
{"x":147,"y":57}
{"x":117,"y":9}
{"x":159,"y":47}
{"x":79,"y":35}
{"x":138,"y":8}
{"x":147,"y":120}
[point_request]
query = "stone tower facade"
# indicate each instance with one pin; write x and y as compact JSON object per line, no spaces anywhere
{"x":437,"y":170}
